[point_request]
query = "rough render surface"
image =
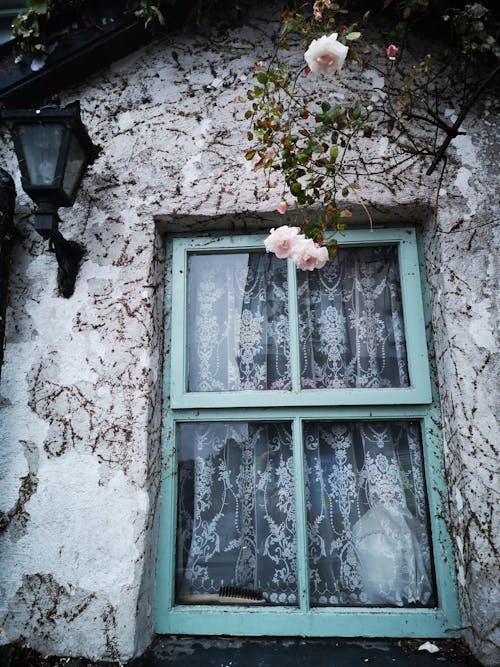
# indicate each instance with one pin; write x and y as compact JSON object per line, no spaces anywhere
{"x":80,"y":395}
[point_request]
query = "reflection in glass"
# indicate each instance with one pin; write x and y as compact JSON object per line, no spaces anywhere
{"x":351,"y":321}
{"x":238,"y":331}
{"x":41,"y":145}
{"x":74,"y":166}
{"x":368,"y":528}
{"x":236,"y":511}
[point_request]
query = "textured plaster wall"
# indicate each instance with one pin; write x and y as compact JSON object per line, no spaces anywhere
{"x":80,"y":394}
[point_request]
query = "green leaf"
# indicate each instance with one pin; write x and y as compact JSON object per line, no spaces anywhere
{"x":334,"y":153}
{"x":356,"y":112}
{"x":38,"y":6}
{"x":478,"y":11}
{"x":249,"y":155}
{"x":353,"y":36}
{"x":261,"y":77}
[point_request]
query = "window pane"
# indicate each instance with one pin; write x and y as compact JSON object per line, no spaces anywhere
{"x":236,"y":511}
{"x":368,"y":528}
{"x":238,"y":332}
{"x":74,"y":166}
{"x":351,"y":321}
{"x":41,"y":145}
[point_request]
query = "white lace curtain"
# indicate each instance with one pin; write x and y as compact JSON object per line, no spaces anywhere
{"x":236,"y":510}
{"x":351,"y":331}
{"x":367,"y":520}
{"x":367,"y":527}
{"x":238,"y":322}
{"x":351,"y":321}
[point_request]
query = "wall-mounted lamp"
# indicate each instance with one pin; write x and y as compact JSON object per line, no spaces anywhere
{"x":53,"y":150}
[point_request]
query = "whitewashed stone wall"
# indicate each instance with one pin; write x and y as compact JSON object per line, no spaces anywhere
{"x":80,"y":394}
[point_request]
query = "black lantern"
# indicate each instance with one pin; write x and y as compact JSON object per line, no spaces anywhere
{"x":53,"y":150}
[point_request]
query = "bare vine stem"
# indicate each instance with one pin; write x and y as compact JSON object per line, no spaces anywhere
{"x":453,"y":132}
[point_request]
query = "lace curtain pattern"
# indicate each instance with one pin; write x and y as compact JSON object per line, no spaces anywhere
{"x":238,"y":322}
{"x":367,"y":524}
{"x":351,"y":321}
{"x":236,"y":510}
{"x":351,"y":331}
{"x":367,"y":520}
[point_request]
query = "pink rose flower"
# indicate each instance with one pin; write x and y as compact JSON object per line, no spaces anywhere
{"x":281,"y":240}
{"x":282,"y":207}
{"x":391,"y":51}
{"x":309,"y":256}
{"x":325,"y":54}
{"x":317,"y":16}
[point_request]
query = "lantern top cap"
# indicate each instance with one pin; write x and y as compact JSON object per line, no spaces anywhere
{"x":53,"y":113}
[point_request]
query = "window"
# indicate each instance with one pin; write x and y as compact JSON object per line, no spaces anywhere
{"x":301,"y":460}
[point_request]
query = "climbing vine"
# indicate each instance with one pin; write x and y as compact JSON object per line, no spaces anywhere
{"x":315,"y":136}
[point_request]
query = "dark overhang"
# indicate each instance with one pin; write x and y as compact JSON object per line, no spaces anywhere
{"x":78,"y":46}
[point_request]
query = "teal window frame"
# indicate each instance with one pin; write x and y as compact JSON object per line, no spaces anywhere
{"x":417,"y":402}
{"x":418,"y":392}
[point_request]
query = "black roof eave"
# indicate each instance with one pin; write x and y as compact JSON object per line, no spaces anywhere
{"x":78,"y":53}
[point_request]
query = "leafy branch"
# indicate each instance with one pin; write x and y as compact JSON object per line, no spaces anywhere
{"x":318,"y":143}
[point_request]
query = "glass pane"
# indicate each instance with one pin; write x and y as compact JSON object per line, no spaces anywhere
{"x":238,"y":332}
{"x":74,"y":166}
{"x":41,"y":145}
{"x":236,"y":512}
{"x":368,"y":527}
{"x":351,"y":321}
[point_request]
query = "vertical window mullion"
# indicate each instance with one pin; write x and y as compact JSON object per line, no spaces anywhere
{"x":179,"y":354}
{"x":293,"y":314}
{"x":414,"y":320}
{"x":171,"y":502}
{"x":301,"y":517}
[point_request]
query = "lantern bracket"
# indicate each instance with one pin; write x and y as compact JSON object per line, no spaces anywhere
{"x":68,"y":256}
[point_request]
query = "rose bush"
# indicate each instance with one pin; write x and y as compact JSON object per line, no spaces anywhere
{"x":315,"y":140}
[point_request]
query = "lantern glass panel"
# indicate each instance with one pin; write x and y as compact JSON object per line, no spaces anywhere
{"x":41,"y":145}
{"x":74,"y":167}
